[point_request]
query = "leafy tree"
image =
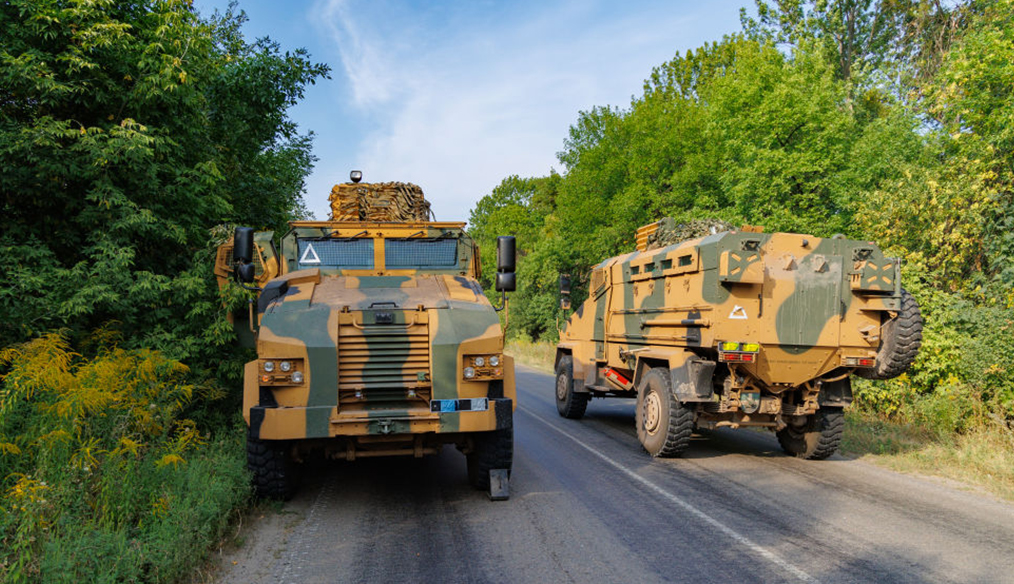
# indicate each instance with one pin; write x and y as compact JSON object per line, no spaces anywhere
{"x":524,"y":208}
{"x":854,"y":35}
{"x":973,"y":94}
{"x":950,"y":209}
{"x":923,"y":40}
{"x":127,"y":131}
{"x":735,"y":130}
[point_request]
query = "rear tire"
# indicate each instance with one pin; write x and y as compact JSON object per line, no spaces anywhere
{"x":818,"y":438}
{"x":664,"y":425}
{"x":569,"y":403}
{"x":274,"y":472}
{"x":901,"y":338}
{"x":491,"y":450}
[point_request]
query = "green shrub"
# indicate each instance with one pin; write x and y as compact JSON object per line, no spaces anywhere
{"x":103,"y":478}
{"x":963,"y":377}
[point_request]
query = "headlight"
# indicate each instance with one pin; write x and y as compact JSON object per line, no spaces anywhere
{"x":285,"y":366}
{"x":269,"y":366}
{"x":469,"y":372}
{"x":297,"y":377}
{"x":479,"y":361}
{"x":494,"y":361}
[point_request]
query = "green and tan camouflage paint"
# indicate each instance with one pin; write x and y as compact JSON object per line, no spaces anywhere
{"x":809,"y":302}
{"x":375,"y":346}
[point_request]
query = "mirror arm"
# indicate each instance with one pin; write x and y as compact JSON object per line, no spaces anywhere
{"x":244,"y":285}
{"x":503,"y":301}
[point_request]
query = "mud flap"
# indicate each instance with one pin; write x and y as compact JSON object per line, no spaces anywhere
{"x":835,"y":393}
{"x":499,"y":485}
{"x":693,"y":381}
{"x":256,"y":419}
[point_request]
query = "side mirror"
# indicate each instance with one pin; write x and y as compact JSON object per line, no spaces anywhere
{"x":506,"y":281}
{"x":505,"y":253}
{"x":565,"y":303}
{"x":245,"y":272}
{"x":243,"y":244}
{"x":564,"y":284}
{"x":242,"y":253}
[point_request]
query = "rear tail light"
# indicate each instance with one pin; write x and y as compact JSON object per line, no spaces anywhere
{"x":737,"y":357}
{"x":729,"y":351}
{"x":859,"y":362}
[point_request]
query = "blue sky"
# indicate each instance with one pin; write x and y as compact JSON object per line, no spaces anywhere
{"x":455,"y":96}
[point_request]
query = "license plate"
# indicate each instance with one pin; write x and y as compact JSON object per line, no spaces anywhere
{"x":478,"y":404}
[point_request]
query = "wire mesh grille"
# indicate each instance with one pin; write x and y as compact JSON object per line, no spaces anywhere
{"x":336,"y":253}
{"x":421,"y":253}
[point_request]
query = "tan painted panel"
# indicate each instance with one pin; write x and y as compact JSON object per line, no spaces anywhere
{"x":251,"y":390}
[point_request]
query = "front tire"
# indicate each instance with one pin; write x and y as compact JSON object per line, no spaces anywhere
{"x":490,"y":450}
{"x":569,"y":403}
{"x":274,"y":471}
{"x":664,"y":425}
{"x":818,"y":438}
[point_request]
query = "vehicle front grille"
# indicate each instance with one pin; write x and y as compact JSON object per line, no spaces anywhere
{"x":384,"y":366}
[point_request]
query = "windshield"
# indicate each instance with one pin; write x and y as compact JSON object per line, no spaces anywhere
{"x":421,"y":253}
{"x":335,"y":253}
{"x":439,"y":253}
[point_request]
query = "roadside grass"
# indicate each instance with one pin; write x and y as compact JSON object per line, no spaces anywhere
{"x":532,"y":353}
{"x":982,"y":456}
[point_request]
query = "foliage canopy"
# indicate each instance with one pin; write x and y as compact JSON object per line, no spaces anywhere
{"x":127,"y":131}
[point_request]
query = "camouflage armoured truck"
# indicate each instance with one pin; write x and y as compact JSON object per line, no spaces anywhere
{"x":373,"y":338}
{"x":738,"y":328}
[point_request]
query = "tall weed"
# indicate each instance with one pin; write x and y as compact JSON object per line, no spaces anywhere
{"x":103,"y":478}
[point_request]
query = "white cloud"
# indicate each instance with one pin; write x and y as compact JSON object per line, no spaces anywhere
{"x":460,"y":102}
{"x":361,"y":58}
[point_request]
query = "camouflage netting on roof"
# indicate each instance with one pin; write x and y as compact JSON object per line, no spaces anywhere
{"x":391,"y":201}
{"x":669,"y":232}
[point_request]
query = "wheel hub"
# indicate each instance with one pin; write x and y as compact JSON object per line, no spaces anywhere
{"x":561,"y":387}
{"x":652,"y":412}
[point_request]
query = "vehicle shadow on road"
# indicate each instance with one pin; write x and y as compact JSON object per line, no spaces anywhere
{"x":759,"y":443}
{"x":391,"y":478}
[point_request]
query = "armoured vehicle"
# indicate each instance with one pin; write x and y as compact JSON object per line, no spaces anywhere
{"x":737,"y":328}
{"x":373,"y":338}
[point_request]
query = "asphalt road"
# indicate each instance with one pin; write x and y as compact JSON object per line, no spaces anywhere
{"x":588,"y":505}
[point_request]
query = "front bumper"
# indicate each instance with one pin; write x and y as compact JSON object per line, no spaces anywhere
{"x":279,"y":423}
